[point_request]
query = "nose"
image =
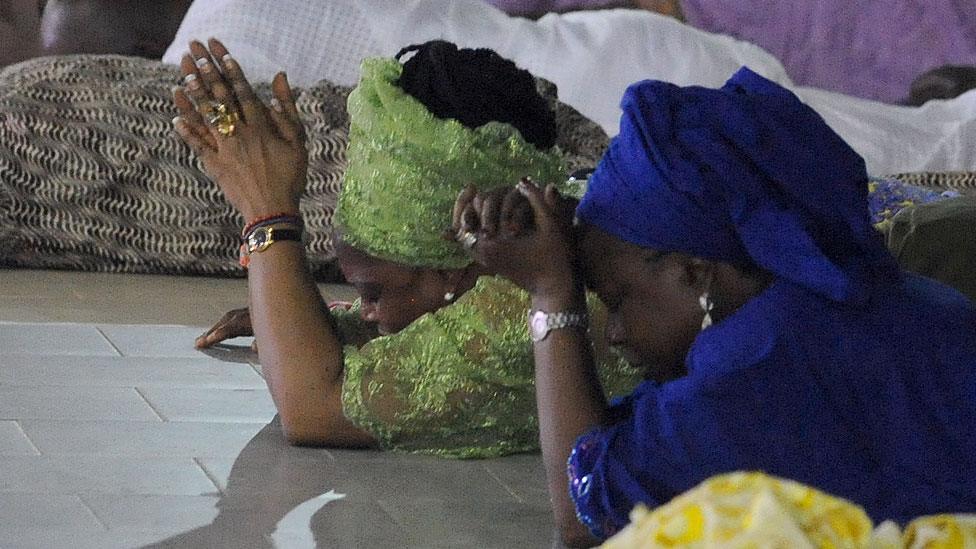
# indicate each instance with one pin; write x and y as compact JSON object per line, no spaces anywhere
{"x":369,"y":311}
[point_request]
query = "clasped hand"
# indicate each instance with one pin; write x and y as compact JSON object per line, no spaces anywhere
{"x":260,"y":161}
{"x":524,"y":234}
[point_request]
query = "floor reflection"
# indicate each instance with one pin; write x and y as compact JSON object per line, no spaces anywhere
{"x":268,"y":480}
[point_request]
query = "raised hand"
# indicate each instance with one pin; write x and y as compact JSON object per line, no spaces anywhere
{"x":254,"y":153}
{"x":524,"y":234}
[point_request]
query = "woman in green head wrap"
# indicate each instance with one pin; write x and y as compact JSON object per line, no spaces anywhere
{"x":435,"y":356}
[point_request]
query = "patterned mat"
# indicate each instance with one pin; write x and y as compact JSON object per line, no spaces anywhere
{"x":93,"y":177}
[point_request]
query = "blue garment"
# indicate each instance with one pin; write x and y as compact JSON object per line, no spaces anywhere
{"x":844,"y":374}
{"x":875,"y":403}
{"x":745,"y":174}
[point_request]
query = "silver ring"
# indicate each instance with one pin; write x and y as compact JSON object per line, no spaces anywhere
{"x":468,"y":240}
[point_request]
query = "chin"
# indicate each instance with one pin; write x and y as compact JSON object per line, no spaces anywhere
{"x":662,"y":374}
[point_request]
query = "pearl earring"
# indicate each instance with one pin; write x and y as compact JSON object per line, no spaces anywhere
{"x":706,"y":304}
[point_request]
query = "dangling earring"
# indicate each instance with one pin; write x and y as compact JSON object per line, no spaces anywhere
{"x":706,"y":304}
{"x":449,"y":297}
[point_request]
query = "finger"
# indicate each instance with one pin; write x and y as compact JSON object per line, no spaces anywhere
{"x":192,"y":118}
{"x":464,"y":198}
{"x":252,"y":108}
{"x":469,"y":219}
{"x":199,"y":143}
{"x":211,"y":78}
{"x":540,"y":209}
{"x":284,"y":110}
{"x":193,"y":83}
{"x":516,"y":214}
{"x":563,"y":206}
{"x":203,"y":340}
{"x":490,"y":207}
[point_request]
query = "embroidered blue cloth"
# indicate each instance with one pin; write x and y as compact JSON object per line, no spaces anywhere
{"x":887,"y":197}
{"x":845,"y":374}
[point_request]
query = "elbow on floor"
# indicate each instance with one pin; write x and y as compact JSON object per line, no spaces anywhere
{"x":300,"y":432}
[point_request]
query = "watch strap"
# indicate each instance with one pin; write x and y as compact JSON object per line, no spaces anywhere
{"x":261,"y":238}
{"x":541,"y":322}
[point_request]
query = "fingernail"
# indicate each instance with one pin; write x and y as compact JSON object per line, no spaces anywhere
{"x":276,"y":105}
{"x":204,"y":64}
{"x":227,"y":59}
{"x":177,"y":120}
{"x":522,"y":187}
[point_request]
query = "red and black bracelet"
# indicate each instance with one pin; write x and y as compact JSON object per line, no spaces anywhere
{"x":283,"y":218}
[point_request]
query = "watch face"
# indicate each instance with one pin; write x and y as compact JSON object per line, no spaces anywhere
{"x":539,"y":325}
{"x":259,"y":237}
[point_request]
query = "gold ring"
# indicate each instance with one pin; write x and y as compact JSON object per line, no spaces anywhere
{"x":223,"y":119}
{"x":468,"y":240}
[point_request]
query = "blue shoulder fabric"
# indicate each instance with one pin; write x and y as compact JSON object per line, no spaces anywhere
{"x":874,"y":404}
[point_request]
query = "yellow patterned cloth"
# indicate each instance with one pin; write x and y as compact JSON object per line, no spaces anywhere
{"x":755,"y":510}
{"x":458,"y":382}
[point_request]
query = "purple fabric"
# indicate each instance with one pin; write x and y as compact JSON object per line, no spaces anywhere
{"x":869,"y":48}
{"x":539,"y":7}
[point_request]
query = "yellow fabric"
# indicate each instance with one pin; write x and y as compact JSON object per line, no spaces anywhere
{"x":754,"y":510}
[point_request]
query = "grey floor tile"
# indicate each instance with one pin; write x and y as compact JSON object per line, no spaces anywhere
{"x":402,"y":477}
{"x":152,"y":340}
{"x":204,"y":479}
{"x":150,"y":513}
{"x":524,"y":476}
{"x":76,"y":403}
{"x":15,"y":537}
{"x":199,"y":372}
{"x":46,"y":511}
{"x":140,"y":439}
{"x":102,"y":475}
{"x":471,"y":522}
{"x":13,"y":441}
{"x":52,"y":339}
{"x":216,"y":405}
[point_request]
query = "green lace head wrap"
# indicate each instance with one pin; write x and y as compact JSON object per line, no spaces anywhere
{"x":406,"y":168}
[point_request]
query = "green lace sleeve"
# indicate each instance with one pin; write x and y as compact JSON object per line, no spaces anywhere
{"x":457,"y":382}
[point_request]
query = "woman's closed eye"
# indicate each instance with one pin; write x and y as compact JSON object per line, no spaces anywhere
{"x":369,"y":293}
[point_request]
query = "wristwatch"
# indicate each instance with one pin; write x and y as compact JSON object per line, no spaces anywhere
{"x":541,"y":322}
{"x":262,"y":238}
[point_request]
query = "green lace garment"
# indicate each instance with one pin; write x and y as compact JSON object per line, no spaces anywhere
{"x":458,"y":382}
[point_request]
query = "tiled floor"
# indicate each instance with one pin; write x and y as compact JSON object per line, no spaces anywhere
{"x":115,"y":432}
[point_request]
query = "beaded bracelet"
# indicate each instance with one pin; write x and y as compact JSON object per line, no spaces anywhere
{"x":290,"y":219}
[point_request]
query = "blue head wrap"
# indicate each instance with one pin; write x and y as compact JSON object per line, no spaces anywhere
{"x":746,"y":174}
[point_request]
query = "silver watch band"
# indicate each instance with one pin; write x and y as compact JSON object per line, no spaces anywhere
{"x":541,"y":322}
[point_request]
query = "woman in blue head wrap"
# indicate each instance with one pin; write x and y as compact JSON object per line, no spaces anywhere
{"x":728,"y":233}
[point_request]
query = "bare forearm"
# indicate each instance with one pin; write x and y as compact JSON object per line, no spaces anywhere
{"x":300,"y":353}
{"x":570,"y":402}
